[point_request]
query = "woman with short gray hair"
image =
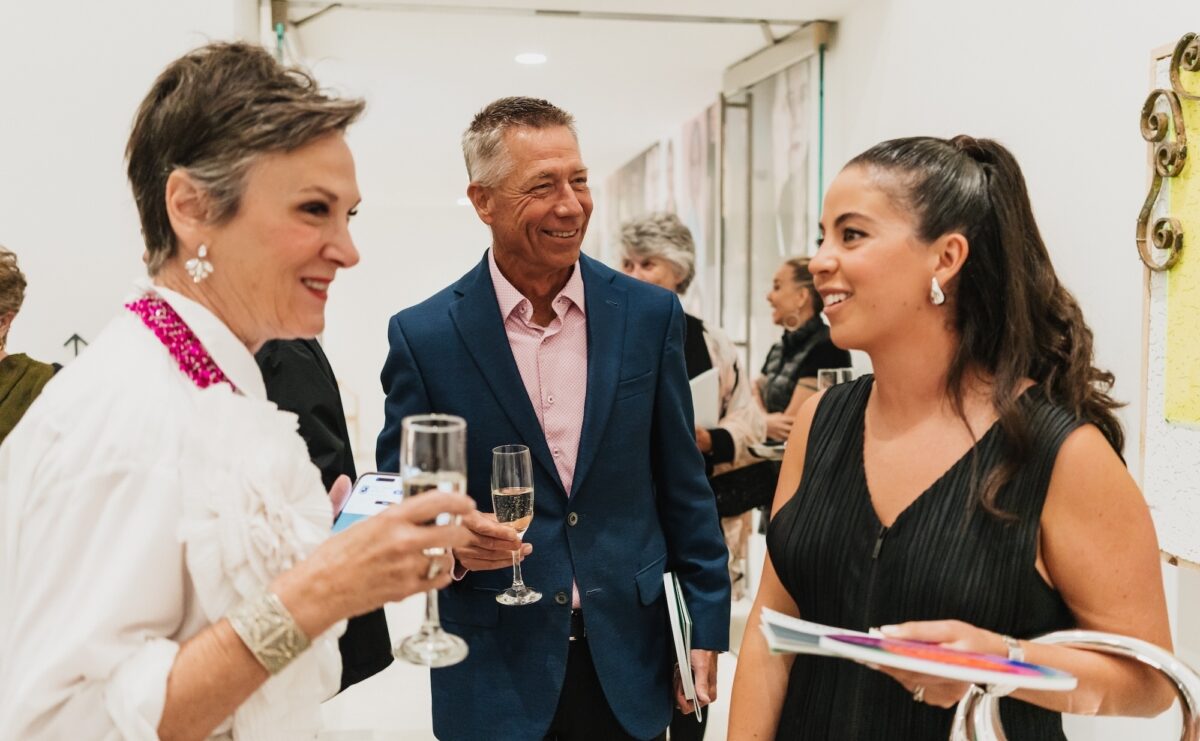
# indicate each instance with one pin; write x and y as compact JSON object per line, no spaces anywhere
{"x":658,"y":249}
{"x":21,"y":377}
{"x":167,"y":569}
{"x":659,"y":241}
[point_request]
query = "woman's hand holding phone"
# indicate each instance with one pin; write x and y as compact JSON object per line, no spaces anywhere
{"x":379,"y":559}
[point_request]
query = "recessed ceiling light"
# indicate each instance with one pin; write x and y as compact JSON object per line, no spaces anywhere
{"x":464,"y":201}
{"x":531,"y":58}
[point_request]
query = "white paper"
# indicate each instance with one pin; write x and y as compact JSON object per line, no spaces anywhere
{"x":681,"y":632}
{"x":706,"y":399}
{"x":786,"y":634}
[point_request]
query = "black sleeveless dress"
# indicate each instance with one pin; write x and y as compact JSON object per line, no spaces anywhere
{"x":942,"y":559}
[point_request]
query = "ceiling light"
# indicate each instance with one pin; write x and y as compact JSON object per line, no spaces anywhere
{"x":531,"y":58}
{"x":464,"y":201}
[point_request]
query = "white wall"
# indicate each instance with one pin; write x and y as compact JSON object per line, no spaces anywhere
{"x":1061,"y":84}
{"x":71,"y":76}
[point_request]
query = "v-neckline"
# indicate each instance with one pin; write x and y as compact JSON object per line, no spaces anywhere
{"x":862,"y":466}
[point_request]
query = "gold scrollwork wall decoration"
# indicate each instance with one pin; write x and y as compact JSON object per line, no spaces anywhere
{"x":1186,"y":57}
{"x":1167,"y":132}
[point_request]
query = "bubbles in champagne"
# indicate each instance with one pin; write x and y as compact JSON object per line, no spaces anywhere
{"x":514,"y":506}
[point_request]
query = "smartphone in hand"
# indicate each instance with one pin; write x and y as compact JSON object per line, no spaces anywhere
{"x":372,"y":493}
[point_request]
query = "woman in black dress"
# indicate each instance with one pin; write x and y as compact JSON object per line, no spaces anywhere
{"x":965,"y":494}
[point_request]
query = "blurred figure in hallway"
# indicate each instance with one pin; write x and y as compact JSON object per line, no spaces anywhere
{"x":789,"y":375}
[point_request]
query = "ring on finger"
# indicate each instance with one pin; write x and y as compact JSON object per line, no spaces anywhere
{"x":918,"y":694}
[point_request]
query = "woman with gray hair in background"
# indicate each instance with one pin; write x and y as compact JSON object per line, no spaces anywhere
{"x":659,"y":249}
{"x":21,"y":377}
{"x":166,"y":569}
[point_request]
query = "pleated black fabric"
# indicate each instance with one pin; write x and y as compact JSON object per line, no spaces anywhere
{"x":943,"y":558}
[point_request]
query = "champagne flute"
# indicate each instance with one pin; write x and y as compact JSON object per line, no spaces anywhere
{"x":829,"y":377}
{"x":512,"y":499}
{"x":433,"y":457}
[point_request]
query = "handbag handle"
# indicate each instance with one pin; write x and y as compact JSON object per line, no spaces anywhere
{"x":977,"y":717}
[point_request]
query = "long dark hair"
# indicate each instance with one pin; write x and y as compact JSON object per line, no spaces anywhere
{"x":1014,"y":318}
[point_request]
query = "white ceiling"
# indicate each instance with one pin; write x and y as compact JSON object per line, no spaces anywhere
{"x":770,"y":9}
{"x":426,"y":72}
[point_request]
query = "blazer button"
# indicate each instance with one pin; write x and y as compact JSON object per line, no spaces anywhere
{"x":572,"y":519}
{"x":561,"y":598}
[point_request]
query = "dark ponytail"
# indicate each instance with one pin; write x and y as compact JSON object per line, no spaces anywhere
{"x":1014,"y":318}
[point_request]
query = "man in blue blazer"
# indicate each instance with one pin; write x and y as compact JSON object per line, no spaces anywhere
{"x":542,"y":346}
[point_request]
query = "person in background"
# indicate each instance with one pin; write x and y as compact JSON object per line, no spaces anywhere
{"x":167,"y":570}
{"x":299,"y":379}
{"x":540,"y":345}
{"x":659,"y":249}
{"x":965,"y":494}
{"x":21,"y":377}
{"x":789,"y":375}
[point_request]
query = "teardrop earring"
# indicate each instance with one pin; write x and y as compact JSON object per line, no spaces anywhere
{"x":936,"y":296}
{"x":199,"y":267}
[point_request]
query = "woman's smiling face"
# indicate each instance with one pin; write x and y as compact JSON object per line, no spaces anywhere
{"x":871,"y":268}
{"x":275,"y":259}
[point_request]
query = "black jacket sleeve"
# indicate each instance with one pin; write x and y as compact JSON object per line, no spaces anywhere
{"x":300,"y":380}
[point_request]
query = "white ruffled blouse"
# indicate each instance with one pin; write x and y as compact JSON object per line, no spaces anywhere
{"x":135,"y":510}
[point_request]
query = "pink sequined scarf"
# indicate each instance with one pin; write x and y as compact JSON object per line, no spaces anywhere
{"x":180,"y":341}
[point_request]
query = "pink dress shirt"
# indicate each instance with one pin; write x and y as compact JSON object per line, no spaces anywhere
{"x":552,"y":361}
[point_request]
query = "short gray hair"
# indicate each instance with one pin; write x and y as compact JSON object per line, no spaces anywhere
{"x":662,"y":236}
{"x":483,"y":141}
{"x":212,"y":113}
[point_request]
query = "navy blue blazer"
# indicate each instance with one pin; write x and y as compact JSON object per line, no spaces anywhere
{"x":640,"y":505}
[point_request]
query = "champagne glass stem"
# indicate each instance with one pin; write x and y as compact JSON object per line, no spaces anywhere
{"x":518,"y":582}
{"x":432,"y":619}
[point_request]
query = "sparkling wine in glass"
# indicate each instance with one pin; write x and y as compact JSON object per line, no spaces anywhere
{"x":512,"y":499}
{"x":829,"y":377}
{"x":433,"y":457}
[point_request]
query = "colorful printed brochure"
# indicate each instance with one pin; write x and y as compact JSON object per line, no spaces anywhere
{"x":792,"y":635}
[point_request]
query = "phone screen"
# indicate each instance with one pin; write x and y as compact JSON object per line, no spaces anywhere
{"x":372,"y":493}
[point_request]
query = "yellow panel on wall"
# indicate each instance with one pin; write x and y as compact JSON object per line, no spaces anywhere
{"x":1182,"y":402}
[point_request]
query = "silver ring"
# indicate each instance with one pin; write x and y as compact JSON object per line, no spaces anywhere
{"x":919,"y":693}
{"x":435,"y":568}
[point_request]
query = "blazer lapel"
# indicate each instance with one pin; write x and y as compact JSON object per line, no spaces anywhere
{"x":606,"y":307}
{"x":476,"y":316}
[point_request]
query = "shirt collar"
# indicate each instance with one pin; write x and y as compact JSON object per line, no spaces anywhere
{"x":227,"y":351}
{"x":509,"y":298}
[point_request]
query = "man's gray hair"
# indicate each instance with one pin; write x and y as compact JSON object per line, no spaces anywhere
{"x":483,"y":141}
{"x":664,"y":237}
